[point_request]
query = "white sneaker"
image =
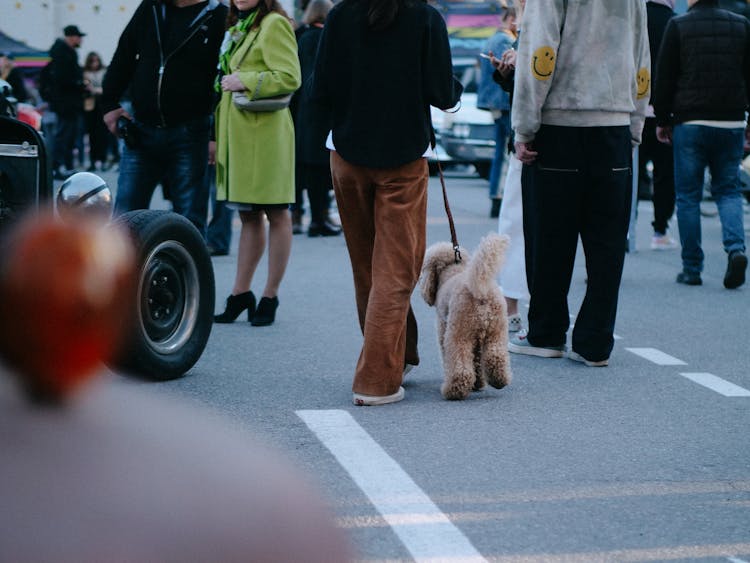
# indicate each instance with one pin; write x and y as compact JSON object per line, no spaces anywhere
{"x":662,"y":242}
{"x":374,"y":400}
{"x":576,"y":357}
{"x":514,"y":324}
{"x":519,"y":344}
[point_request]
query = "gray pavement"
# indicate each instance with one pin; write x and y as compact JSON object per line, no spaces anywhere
{"x":634,"y":462}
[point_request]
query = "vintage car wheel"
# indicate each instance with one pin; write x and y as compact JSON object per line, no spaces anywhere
{"x":175,"y":296}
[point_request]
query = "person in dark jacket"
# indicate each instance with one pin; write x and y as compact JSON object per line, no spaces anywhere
{"x":736,"y":6}
{"x":701,"y":95}
{"x":312,"y":129}
{"x":659,"y":12}
{"x":12,"y":76}
{"x":167,"y":57}
{"x":66,"y":98}
{"x":381,"y":64}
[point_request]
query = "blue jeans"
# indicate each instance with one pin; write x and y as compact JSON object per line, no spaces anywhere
{"x":695,"y":147}
{"x":502,"y":130}
{"x":219,"y":234}
{"x":177,"y":158}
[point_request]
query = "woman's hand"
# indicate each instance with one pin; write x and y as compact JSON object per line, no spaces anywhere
{"x":232,"y":83}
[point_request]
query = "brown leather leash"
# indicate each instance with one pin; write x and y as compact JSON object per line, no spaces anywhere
{"x":454,"y":238}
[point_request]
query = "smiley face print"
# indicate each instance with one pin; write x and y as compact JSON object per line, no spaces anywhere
{"x":643,"y":81}
{"x":543,"y":63}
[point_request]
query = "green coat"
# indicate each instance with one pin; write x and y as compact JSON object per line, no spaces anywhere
{"x":255,"y":151}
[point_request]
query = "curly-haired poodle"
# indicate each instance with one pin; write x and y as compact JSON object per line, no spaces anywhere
{"x":472,"y":323}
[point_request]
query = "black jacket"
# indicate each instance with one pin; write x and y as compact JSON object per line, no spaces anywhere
{"x":311,"y":125}
{"x":736,"y":6}
{"x":703,"y":70}
{"x":658,"y":17}
{"x":15,"y":79}
{"x":65,"y":80}
{"x":379,"y":85}
{"x":167,"y":88}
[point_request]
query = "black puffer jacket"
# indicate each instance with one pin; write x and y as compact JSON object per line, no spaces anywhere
{"x":703,"y":70}
{"x":166,"y":87}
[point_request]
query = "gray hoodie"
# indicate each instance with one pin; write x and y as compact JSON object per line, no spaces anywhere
{"x":582,"y":63}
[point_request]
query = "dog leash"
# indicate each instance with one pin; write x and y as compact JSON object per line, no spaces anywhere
{"x":454,"y":238}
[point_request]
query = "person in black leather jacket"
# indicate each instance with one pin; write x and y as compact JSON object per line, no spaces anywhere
{"x":167,"y":57}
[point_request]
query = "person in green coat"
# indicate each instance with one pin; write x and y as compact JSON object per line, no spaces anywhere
{"x":255,"y":150}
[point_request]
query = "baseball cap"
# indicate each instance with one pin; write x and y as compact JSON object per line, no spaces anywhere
{"x":72,"y":30}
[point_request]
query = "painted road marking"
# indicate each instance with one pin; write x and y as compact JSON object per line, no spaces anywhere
{"x":717,"y":384}
{"x":656,"y":356}
{"x":425,"y":531}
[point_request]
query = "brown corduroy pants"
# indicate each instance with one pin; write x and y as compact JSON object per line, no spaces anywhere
{"x":384,"y":214}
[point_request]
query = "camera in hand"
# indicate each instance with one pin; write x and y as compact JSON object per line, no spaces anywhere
{"x":128,"y":132}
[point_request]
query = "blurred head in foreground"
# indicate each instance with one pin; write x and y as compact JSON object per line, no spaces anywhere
{"x":121,"y":473}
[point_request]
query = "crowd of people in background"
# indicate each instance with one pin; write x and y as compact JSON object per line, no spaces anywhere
{"x":180,"y":126}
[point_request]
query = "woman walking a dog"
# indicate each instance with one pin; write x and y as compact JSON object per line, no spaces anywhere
{"x":380,"y":65}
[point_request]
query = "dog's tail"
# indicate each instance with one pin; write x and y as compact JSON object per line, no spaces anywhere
{"x":486,"y":263}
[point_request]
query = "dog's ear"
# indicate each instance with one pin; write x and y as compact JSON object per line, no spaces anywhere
{"x":429,"y":282}
{"x":431,"y":268}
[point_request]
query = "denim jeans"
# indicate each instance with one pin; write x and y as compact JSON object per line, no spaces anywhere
{"x":695,"y":147}
{"x":502,"y":130}
{"x":177,"y":158}
{"x":219,"y":233}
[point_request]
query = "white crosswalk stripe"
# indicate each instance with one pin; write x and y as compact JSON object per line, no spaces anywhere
{"x":425,"y":531}
{"x":717,"y":384}
{"x":656,"y":356}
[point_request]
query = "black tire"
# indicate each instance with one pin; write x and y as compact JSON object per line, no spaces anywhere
{"x":483,"y":168}
{"x":175,"y":296}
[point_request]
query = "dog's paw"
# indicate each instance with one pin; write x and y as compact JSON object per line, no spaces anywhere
{"x":453,"y":392}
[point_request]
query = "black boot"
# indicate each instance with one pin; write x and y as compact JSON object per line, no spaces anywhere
{"x":495,"y":209}
{"x":235,"y":305}
{"x":324,"y":229}
{"x":265,"y":314}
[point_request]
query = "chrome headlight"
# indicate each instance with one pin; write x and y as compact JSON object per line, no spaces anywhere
{"x":84,"y":193}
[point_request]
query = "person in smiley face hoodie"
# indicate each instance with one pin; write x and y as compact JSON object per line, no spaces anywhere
{"x":582,"y":86}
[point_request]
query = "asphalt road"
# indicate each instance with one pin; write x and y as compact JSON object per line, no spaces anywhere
{"x":645,"y":460}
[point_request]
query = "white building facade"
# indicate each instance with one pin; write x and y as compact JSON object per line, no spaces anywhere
{"x":39,"y":22}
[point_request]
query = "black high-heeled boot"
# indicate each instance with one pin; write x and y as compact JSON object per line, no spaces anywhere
{"x":265,"y":314}
{"x":235,"y":305}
